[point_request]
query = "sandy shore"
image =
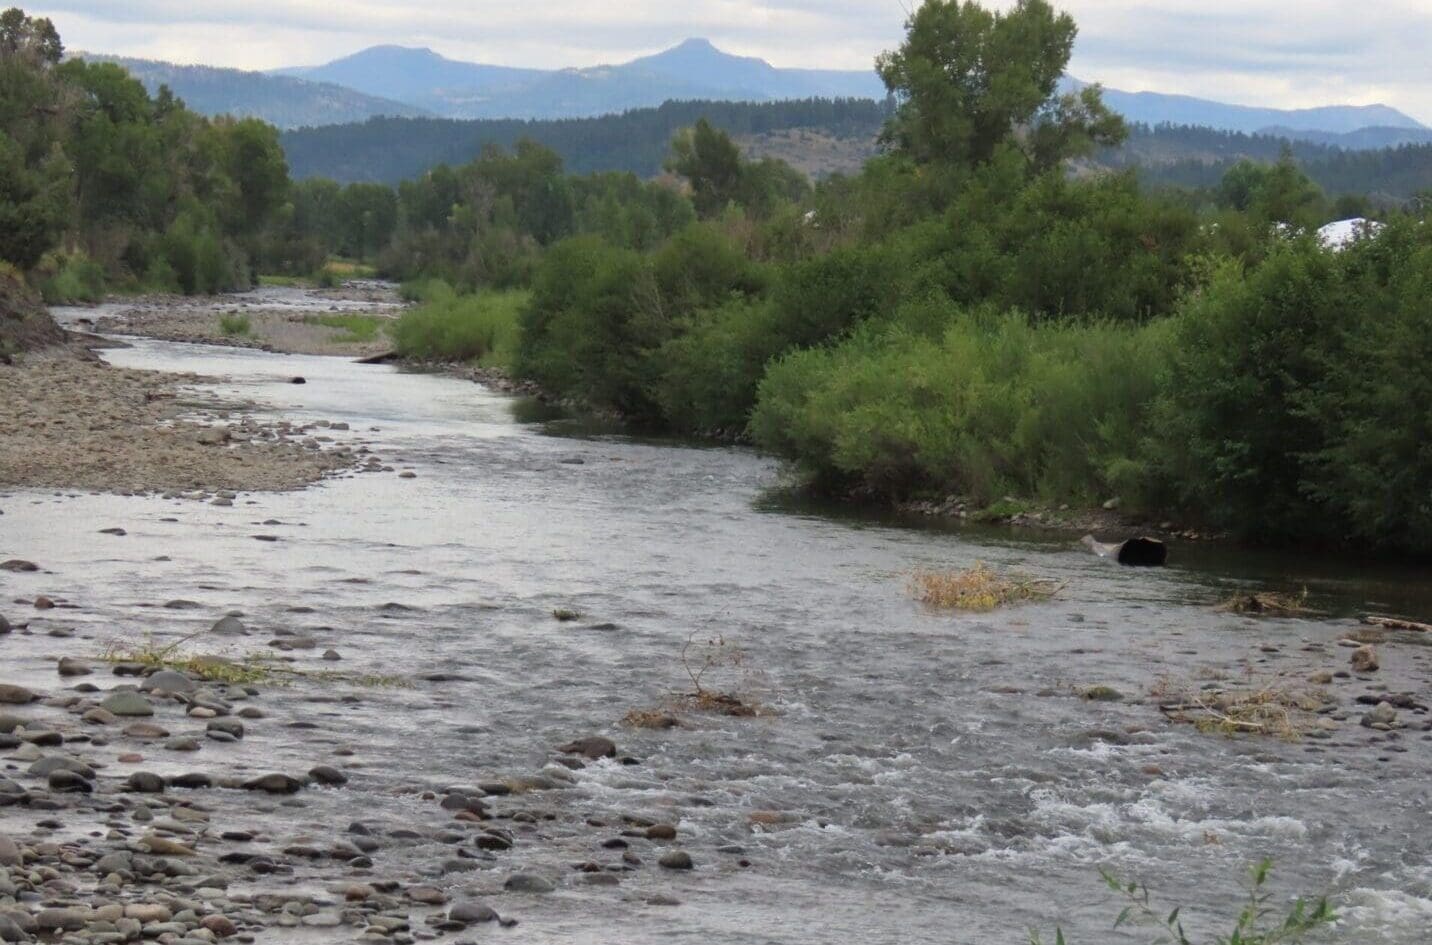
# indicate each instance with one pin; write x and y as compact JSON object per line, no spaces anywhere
{"x":68,"y":422}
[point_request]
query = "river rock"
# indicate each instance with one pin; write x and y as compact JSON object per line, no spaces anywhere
{"x":51,"y":763}
{"x":1383,"y":716}
{"x":275,"y":784}
{"x":324,"y":774}
{"x":147,"y":912}
{"x":229,"y":627}
{"x":163,"y":846}
{"x":470,"y":912}
{"x":127,"y":704}
{"x":231,"y":727}
{"x":5,"y":625}
{"x":12,"y":793}
{"x":528,"y":883}
{"x":221,"y":926}
{"x":10,"y":931}
{"x":69,"y":667}
{"x":168,"y":680}
{"x":70,"y":919}
{"x":145,"y":782}
{"x":16,"y":695}
{"x":9,"y":852}
{"x":68,"y":782}
{"x":676,"y":860}
{"x":18,"y":566}
{"x":1364,"y":660}
{"x":145,"y":731}
{"x":592,"y":747}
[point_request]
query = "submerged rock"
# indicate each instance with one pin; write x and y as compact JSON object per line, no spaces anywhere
{"x":127,"y":704}
{"x":592,"y":747}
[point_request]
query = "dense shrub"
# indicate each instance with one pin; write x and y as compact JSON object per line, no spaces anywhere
{"x":996,"y":404}
{"x":451,"y":327}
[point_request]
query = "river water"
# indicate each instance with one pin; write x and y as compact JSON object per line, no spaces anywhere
{"x":938,"y":777}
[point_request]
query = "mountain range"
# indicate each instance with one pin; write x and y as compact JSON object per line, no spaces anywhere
{"x":397,"y":81}
{"x":279,"y":100}
{"x":693,"y":70}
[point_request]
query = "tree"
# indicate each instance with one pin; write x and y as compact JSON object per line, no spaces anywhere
{"x":35,"y":173}
{"x":711,"y":164}
{"x":969,"y":81}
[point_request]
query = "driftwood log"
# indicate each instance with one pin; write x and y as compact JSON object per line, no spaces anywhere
{"x":1397,"y":623}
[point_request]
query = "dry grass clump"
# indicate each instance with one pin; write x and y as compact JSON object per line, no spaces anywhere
{"x":979,"y":589}
{"x":1267,"y":604}
{"x":1280,"y":708}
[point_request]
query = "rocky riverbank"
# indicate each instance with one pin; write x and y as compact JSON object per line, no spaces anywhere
{"x":346,"y":321}
{"x":75,"y":423}
{"x":132,"y":808}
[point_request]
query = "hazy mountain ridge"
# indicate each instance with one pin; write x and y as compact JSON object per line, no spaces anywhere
{"x":693,"y":70}
{"x":280,"y":100}
{"x":401,"y":81}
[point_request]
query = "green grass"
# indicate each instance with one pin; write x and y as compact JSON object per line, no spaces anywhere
{"x":358,"y":329}
{"x":235,"y":326}
{"x":484,"y":328}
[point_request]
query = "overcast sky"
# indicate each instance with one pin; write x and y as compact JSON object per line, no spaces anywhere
{"x":1287,"y":53}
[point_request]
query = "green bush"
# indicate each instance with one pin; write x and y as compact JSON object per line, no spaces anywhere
{"x":235,"y":326}
{"x":996,"y":404}
{"x":594,"y":316}
{"x":449,"y":327}
{"x":710,"y":373}
{"x":1234,"y":431}
{"x":75,"y":279}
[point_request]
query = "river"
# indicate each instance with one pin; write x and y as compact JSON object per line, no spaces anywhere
{"x":938,"y":777}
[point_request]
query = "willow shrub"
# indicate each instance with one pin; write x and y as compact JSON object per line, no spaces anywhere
{"x":484,"y":327}
{"x":994,"y":404}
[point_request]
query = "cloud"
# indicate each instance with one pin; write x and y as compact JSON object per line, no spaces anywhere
{"x":1267,"y":52}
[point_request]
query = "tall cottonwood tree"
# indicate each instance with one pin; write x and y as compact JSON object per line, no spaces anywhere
{"x":970,"y":81}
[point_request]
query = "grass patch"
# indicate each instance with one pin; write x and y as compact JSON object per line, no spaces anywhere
{"x":1001,"y":511}
{"x":249,"y":669}
{"x":348,"y":269}
{"x":235,"y":326}
{"x":450,"y":327}
{"x":357,"y":329}
{"x":979,"y":589}
{"x":1267,"y":604}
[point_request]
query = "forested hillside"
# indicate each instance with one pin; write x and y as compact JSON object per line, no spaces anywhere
{"x":391,"y":150}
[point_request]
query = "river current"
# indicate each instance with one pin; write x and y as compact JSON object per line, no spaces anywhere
{"x":920,"y":776}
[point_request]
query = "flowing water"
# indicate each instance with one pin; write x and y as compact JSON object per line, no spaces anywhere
{"x":938,"y":777}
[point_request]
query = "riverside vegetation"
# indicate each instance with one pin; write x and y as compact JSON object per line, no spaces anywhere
{"x":962,"y":317}
{"x":965,"y":317}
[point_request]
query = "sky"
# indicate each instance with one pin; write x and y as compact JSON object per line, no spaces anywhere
{"x":1281,"y":53}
